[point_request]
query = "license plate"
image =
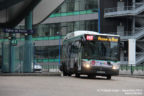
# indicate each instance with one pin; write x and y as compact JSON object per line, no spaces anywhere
{"x":100,"y":71}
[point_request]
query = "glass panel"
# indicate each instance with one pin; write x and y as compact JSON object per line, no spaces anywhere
{"x":64,"y":28}
{"x":77,"y":3}
{"x":70,"y":27}
{"x":82,"y":4}
{"x":46,"y":52}
{"x":101,"y":50}
{"x":63,"y":7}
{"x":82,"y":25}
{"x":70,"y":5}
{"x":76,"y":26}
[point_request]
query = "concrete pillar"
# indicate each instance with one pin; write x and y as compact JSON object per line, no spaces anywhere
{"x":133,"y":25}
{"x":28,"y":50}
{"x":134,"y":3}
{"x":132,"y":52}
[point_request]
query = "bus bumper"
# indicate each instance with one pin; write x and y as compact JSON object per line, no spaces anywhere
{"x":101,"y":71}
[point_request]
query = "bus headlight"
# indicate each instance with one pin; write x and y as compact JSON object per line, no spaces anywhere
{"x":114,"y":67}
{"x":86,"y":65}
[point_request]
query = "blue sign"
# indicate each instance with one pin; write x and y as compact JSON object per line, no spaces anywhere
{"x":18,"y":31}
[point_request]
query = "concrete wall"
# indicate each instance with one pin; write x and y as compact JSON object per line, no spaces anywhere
{"x":44,"y":8}
{"x":47,"y":42}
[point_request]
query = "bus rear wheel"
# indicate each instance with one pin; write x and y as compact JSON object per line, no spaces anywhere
{"x":64,"y":73}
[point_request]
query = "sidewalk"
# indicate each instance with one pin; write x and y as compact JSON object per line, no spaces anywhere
{"x":32,"y":74}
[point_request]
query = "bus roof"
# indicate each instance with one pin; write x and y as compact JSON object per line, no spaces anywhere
{"x":79,"y":33}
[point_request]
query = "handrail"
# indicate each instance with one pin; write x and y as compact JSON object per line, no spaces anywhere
{"x":125,"y":8}
{"x":138,"y":33}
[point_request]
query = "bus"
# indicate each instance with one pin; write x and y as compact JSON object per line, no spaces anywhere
{"x":90,"y":53}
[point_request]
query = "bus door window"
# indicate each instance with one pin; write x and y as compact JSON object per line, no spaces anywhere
{"x":105,"y":49}
{"x":64,"y":53}
{"x":114,"y":49}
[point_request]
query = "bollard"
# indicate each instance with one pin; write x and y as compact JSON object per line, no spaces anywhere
{"x":132,"y":69}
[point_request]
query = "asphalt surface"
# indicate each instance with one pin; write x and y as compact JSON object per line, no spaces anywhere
{"x":70,"y":86}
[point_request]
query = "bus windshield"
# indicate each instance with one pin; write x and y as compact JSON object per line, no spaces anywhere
{"x":100,"y":50}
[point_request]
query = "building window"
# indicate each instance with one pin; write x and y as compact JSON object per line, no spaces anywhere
{"x":91,"y":4}
{"x":76,"y":5}
{"x":46,"y":52}
{"x":70,"y":5}
{"x":57,"y":29}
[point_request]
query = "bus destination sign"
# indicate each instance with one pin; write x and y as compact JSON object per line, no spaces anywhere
{"x":18,"y":31}
{"x":102,"y":38}
{"x":110,"y":39}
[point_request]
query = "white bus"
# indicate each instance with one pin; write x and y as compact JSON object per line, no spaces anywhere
{"x":90,"y":53}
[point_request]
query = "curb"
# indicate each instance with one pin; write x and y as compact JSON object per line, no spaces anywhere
{"x":133,"y":76}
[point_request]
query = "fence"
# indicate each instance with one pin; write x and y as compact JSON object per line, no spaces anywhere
{"x":48,"y":65}
{"x":133,"y":70}
{"x":18,"y":59}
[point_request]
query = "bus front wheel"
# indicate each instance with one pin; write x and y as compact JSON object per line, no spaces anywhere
{"x":91,"y":76}
{"x":69,"y":74}
{"x":109,"y":77}
{"x":77,"y":75}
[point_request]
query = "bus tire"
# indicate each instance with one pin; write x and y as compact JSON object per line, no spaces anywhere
{"x":69,"y":74}
{"x":64,"y":70}
{"x":77,"y":75}
{"x":91,"y":76}
{"x":109,"y":77}
{"x":64,"y":73}
{"x":76,"y":71}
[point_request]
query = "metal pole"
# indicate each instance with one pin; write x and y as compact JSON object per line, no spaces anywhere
{"x":2,"y":44}
{"x":59,"y":50}
{"x":133,"y":29}
{"x":99,"y":17}
{"x":131,"y":69}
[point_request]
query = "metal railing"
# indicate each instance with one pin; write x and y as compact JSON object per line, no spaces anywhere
{"x":139,"y":32}
{"x":141,"y":46}
{"x":139,"y":58}
{"x":126,"y":10}
{"x":132,"y":68}
{"x":116,"y":9}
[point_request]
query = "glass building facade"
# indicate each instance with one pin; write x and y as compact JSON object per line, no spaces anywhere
{"x":77,"y":5}
{"x":55,"y":31}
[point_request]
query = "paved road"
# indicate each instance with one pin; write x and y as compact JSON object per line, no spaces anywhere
{"x":70,"y":86}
